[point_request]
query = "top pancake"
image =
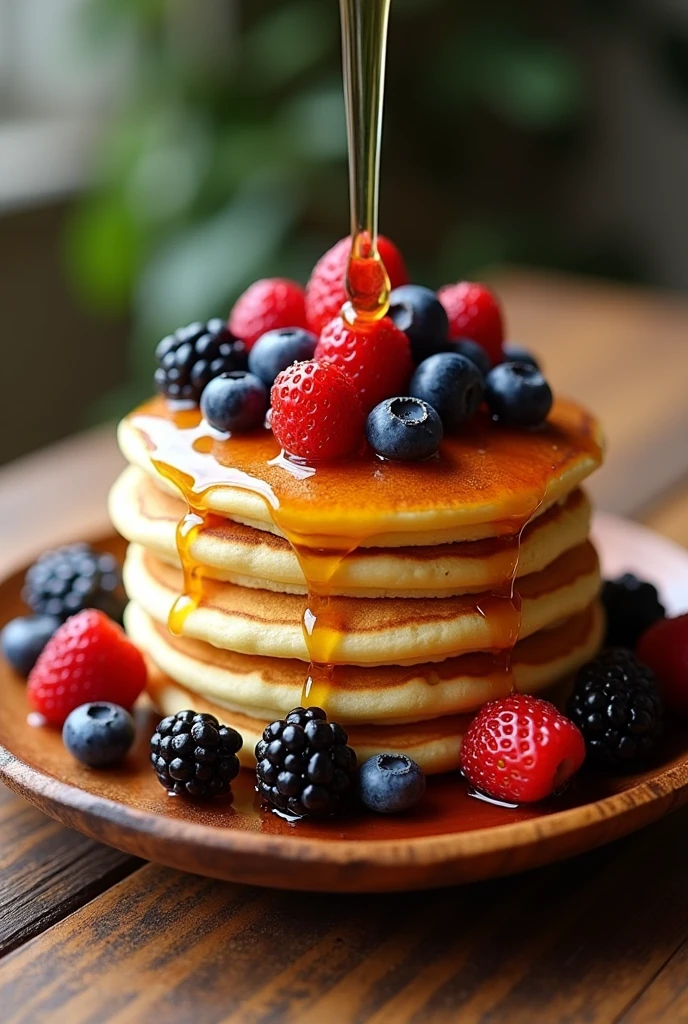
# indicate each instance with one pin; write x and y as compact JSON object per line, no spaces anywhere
{"x":486,"y":482}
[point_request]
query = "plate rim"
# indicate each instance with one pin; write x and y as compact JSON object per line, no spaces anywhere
{"x":388,"y":862}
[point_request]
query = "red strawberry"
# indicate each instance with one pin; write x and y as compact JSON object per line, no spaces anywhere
{"x":89,"y":658}
{"x":474,"y":313}
{"x":376,"y":356}
{"x":664,"y":649}
{"x":266,"y":305}
{"x":521,"y":749}
{"x":316,"y":412}
{"x":325,"y":291}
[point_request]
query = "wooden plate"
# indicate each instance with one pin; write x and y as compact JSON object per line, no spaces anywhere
{"x":451,"y":838}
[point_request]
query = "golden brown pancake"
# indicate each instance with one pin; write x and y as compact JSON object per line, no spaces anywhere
{"x":271,"y":687}
{"x":146,"y":514}
{"x":486,"y":481}
{"x":386,"y":631}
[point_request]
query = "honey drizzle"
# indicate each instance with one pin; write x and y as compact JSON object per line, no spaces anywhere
{"x":364,"y":51}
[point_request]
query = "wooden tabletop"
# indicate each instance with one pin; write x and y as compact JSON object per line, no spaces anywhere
{"x":90,"y":935}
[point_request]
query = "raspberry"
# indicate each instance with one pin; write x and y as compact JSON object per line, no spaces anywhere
{"x":316,"y":412}
{"x":376,"y":356}
{"x":520,"y":749}
{"x":325,"y":291}
{"x":265,"y":306}
{"x":474,"y":313}
{"x":664,"y":648}
{"x":88,"y":659}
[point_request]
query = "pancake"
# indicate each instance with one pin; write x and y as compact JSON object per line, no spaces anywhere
{"x":270,"y":687}
{"x":433,"y":745}
{"x":387,"y":631}
{"x":485,"y":482}
{"x":147,"y":515}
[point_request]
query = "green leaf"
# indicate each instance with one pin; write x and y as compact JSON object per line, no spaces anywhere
{"x":196,"y":272}
{"x":531,"y":84}
{"x":289,"y":41}
{"x":101,"y":251}
{"x":313,"y":124}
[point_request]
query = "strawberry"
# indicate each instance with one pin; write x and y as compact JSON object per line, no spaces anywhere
{"x":520,"y":749}
{"x":376,"y":356}
{"x":474,"y":313}
{"x":316,"y":412}
{"x":89,"y":658}
{"x":325,"y":291}
{"x":266,"y":305}
{"x":664,"y":649}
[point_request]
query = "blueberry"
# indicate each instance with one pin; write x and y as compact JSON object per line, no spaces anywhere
{"x":235,"y":401}
{"x":421,"y":316}
{"x":23,"y":639}
{"x":99,"y":735}
{"x":404,"y":429}
{"x":518,"y":395}
{"x":473,"y":351}
{"x":390,"y":783}
{"x":518,"y":354}
{"x":452,"y":385}
{"x":276,"y":350}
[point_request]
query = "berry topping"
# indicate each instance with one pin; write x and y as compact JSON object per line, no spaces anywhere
{"x":23,"y":639}
{"x":518,"y":395}
{"x":72,"y":578}
{"x":304,"y":764}
{"x":520,"y":749}
{"x":326,"y":291}
{"x":99,"y":735}
{"x":276,"y":350}
{"x":518,"y":354}
{"x":616,"y":705}
{"x":419,"y":313}
{"x":390,"y":783}
{"x":452,"y":385}
{"x":404,"y":429}
{"x":473,"y":351}
{"x":193,"y":355}
{"x":632,"y":606}
{"x":194,"y":755}
{"x":89,"y":658}
{"x":235,"y":401}
{"x":474,"y":313}
{"x":316,"y":412}
{"x":664,"y":648}
{"x":267,"y":305}
{"x":376,"y":356}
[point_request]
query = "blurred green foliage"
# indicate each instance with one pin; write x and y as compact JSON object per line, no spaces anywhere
{"x":225,"y":159}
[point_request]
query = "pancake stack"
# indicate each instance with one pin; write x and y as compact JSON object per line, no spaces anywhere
{"x":407,"y":594}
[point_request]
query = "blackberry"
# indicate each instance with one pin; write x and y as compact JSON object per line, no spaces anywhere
{"x":192,"y":754}
{"x":616,"y":705}
{"x":304,"y":764}
{"x":632,"y":606}
{"x":69,"y":579}
{"x":193,"y":355}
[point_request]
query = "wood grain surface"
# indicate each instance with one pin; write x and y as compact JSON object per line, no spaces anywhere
{"x":599,"y":939}
{"x":46,"y":871}
{"x":579,"y":941}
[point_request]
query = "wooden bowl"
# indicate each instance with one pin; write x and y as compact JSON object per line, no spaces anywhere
{"x":450,"y":838}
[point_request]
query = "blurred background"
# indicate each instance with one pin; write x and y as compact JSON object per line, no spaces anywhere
{"x":156,"y":156}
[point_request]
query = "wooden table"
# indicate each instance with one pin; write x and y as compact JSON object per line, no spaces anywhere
{"x":90,"y":935}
